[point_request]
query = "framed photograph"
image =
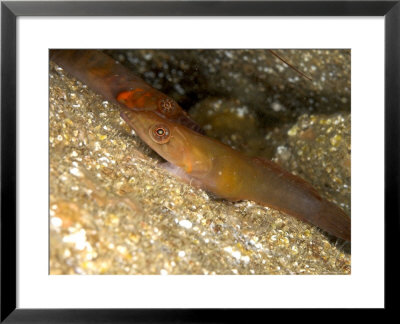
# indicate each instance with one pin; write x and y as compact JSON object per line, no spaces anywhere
{"x":160,"y":158}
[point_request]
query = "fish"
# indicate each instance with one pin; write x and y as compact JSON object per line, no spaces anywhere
{"x":229,"y":174}
{"x":118,"y":84}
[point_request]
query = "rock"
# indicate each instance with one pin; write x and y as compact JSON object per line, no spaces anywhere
{"x":114,"y":211}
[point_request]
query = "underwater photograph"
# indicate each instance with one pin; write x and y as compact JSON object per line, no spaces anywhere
{"x":200,"y":161}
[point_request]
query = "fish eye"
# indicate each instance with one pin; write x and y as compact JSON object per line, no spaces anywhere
{"x":160,"y":133}
{"x":167,"y":106}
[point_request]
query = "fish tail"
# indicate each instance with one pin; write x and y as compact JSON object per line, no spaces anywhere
{"x":334,"y":220}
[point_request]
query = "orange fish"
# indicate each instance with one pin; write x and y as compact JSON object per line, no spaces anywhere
{"x":229,"y":174}
{"x":118,"y":84}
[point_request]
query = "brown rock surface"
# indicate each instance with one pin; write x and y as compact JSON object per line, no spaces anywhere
{"x":114,"y":211}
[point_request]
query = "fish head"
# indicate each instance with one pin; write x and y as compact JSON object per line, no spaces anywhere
{"x":175,"y":143}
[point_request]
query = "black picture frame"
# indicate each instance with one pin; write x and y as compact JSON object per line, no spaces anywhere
{"x":10,"y":10}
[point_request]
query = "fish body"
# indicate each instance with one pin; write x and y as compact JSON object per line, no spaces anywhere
{"x":118,"y":84}
{"x":230,"y":174}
